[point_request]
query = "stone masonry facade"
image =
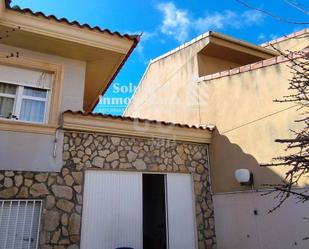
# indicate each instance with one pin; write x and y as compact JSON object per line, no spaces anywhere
{"x":62,"y":193}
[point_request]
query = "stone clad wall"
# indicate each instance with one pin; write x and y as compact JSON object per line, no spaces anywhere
{"x":62,"y":192}
{"x":62,"y":203}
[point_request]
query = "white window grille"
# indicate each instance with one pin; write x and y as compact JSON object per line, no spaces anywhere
{"x":19,"y":224}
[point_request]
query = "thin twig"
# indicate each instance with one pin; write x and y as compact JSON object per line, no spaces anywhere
{"x":296,"y":6}
{"x":265,"y":12}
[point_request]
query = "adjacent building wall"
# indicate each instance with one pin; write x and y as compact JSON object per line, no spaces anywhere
{"x":293,"y":42}
{"x":248,"y":122}
{"x":241,"y":105}
{"x":247,"y":119}
{"x":209,"y":64}
{"x":40,"y":152}
{"x":167,"y":86}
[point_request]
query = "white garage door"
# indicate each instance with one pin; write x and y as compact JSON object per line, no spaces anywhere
{"x":180,"y":208}
{"x":112,"y":212}
{"x":113,"y":215}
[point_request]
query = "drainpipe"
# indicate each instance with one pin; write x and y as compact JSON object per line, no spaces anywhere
{"x":56,"y":142}
{"x":209,"y":170}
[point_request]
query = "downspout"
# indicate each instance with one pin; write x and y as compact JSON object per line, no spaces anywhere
{"x":56,"y":143}
{"x":56,"y":138}
{"x":209,"y":171}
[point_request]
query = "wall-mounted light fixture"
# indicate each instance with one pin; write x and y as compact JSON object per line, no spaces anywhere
{"x":244,"y":177}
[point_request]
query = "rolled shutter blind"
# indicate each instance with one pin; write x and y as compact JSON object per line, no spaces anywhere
{"x":26,"y":77}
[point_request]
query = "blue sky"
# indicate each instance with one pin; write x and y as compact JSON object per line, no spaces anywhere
{"x":167,"y":24}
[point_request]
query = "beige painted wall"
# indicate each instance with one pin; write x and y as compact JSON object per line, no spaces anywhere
{"x":248,"y":122}
{"x":292,"y":44}
{"x":34,"y":152}
{"x":241,"y":106}
{"x":209,"y":64}
{"x":167,"y":85}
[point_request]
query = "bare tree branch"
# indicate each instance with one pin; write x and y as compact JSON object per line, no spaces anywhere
{"x":298,"y":159}
{"x":296,"y":6}
{"x":265,"y":12}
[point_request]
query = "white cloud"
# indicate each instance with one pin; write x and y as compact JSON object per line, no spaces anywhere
{"x":252,"y":17}
{"x":146,"y":35}
{"x":228,"y":19}
{"x":214,"y":21}
{"x":262,"y":37}
{"x":266,"y":37}
{"x":140,"y":48}
{"x":176,"y":22}
{"x":273,"y":37}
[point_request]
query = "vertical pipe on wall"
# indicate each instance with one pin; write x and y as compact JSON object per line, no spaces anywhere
{"x":209,"y":170}
{"x":55,"y":143}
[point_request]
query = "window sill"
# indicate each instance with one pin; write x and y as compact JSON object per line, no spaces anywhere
{"x":18,"y":126}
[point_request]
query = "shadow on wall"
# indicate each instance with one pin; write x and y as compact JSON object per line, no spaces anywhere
{"x":226,"y":157}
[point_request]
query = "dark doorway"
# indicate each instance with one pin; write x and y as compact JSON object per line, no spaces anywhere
{"x":154,"y":212}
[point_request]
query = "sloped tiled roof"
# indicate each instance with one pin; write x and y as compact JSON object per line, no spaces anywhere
{"x":66,"y":21}
{"x":136,"y":119}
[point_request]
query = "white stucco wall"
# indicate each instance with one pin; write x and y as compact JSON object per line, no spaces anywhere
{"x":34,"y":152}
{"x":237,"y":227}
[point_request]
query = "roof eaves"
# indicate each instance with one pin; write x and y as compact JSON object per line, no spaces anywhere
{"x":185,"y":45}
{"x":67,"y":22}
{"x":131,"y":119}
{"x":136,"y":41}
{"x":134,"y":38}
{"x":218,"y":35}
{"x":253,"y":66}
{"x":244,"y":43}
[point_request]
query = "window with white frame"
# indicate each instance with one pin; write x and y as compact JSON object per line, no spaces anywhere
{"x":24,"y":94}
{"x":20,"y":223}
